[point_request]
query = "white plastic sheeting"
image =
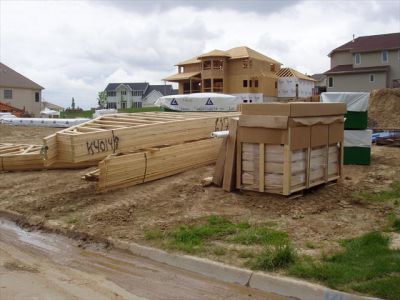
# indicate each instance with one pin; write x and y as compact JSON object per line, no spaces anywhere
{"x":49,"y":112}
{"x":199,"y":102}
{"x":102,"y":112}
{"x":358,"y":138}
{"x":220,"y":134}
{"x":355,"y":101}
{"x":43,"y":122}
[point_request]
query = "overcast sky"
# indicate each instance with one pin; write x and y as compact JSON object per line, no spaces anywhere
{"x":74,"y":48}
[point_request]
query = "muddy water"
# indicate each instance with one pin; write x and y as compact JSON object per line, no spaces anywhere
{"x":36,"y":265}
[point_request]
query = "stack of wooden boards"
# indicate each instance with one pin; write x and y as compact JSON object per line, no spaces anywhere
{"x":140,"y":147}
{"x":282,"y":147}
{"x":24,"y":157}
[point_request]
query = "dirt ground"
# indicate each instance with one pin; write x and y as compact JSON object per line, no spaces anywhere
{"x":322,"y":216}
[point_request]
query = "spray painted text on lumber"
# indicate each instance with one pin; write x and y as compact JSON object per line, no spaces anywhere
{"x":102,"y":145}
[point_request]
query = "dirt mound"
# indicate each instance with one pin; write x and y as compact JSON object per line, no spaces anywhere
{"x":384,"y":108}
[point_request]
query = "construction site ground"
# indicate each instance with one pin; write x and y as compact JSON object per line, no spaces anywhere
{"x":321,"y":217}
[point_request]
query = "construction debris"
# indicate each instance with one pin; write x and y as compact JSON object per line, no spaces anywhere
{"x":283,"y":148}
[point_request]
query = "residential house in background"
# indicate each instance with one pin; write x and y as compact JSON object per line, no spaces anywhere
{"x":135,"y":94}
{"x":365,"y":63}
{"x":320,"y":83}
{"x":19,"y":91}
{"x":293,"y":84}
{"x":52,"y":106}
{"x":239,"y":71}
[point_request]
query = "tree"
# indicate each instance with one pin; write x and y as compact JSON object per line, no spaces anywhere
{"x":73,"y":103}
{"x":102,"y":99}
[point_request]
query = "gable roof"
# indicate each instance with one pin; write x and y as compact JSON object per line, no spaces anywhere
{"x":215,"y":53}
{"x":135,"y":86}
{"x":289,"y":72}
{"x":13,"y":79}
{"x":234,"y":53}
{"x":164,"y":89}
{"x":246,"y":52}
{"x":318,"y":76}
{"x":371,"y":43}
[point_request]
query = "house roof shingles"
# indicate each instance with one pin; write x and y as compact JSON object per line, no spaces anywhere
{"x":135,"y":86}
{"x":371,"y":43}
{"x":12,"y":79}
{"x":165,"y":89}
{"x":346,"y":69}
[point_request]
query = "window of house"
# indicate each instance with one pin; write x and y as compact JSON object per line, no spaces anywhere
{"x":244,"y":83}
{"x":245,"y":63}
{"x":207,"y":85}
{"x":7,"y":94}
{"x":330,"y":82}
{"x":111,"y":93}
{"x":385,"y":56}
{"x":276,"y":84}
{"x":206,"y":64}
{"x":218,"y":85}
{"x":371,"y":78}
{"x":272,"y":67}
{"x":357,"y":58}
{"x":218,"y":64}
{"x":123,"y":92}
{"x":250,"y":83}
{"x":256,"y":83}
{"x":37,"y":96}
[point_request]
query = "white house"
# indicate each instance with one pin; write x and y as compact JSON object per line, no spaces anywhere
{"x":135,"y":94}
{"x":293,"y":84}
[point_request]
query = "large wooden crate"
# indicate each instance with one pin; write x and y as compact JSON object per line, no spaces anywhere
{"x":96,"y":139}
{"x":286,"y":154}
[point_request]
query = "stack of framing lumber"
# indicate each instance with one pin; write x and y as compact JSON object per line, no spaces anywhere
{"x":20,"y":157}
{"x":282,"y":148}
{"x":119,"y":133}
{"x":23,"y":157}
{"x":128,"y":169}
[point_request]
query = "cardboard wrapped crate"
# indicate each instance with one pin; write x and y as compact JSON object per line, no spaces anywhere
{"x":287,"y":147}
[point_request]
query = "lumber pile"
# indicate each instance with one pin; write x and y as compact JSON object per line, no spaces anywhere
{"x":24,"y":157}
{"x":282,"y":147}
{"x":128,"y":169}
{"x":119,"y":133}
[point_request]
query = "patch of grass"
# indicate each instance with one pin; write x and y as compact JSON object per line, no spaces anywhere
{"x":76,"y":114}
{"x":73,"y":220}
{"x":196,"y":238}
{"x":260,"y":235}
{"x":219,"y":251}
{"x":391,"y":194}
{"x":246,"y":254}
{"x":394,"y":223}
{"x":153,"y":234}
{"x":274,"y":258}
{"x":386,"y":288}
{"x":310,"y":245}
{"x":364,"y":259}
{"x":143,"y":109}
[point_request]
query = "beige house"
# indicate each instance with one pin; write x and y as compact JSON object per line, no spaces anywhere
{"x":365,"y":63}
{"x":18,"y":91}
{"x":239,"y":71}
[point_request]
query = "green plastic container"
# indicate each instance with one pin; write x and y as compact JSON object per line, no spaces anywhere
{"x":357,"y":156}
{"x":356,"y":120}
